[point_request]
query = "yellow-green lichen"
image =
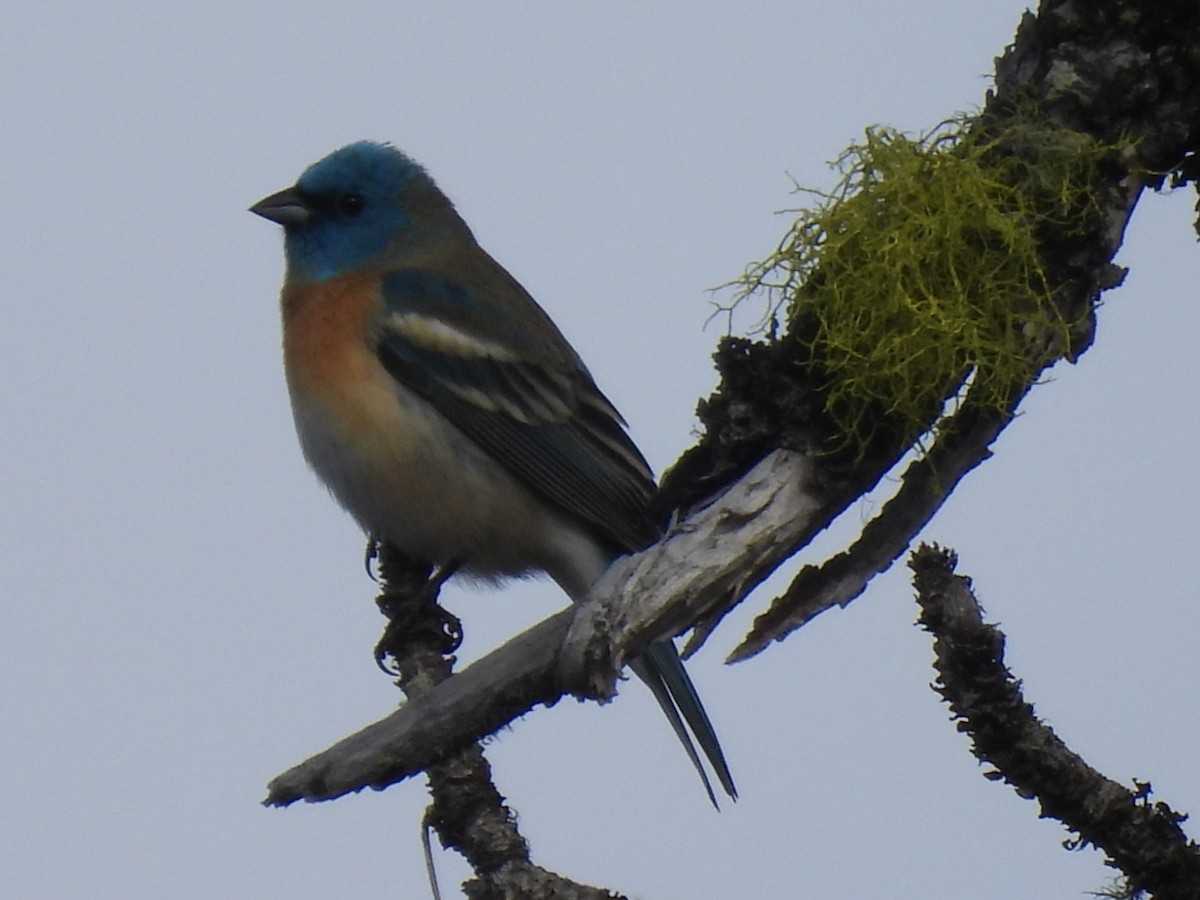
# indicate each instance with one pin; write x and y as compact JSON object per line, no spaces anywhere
{"x":920,"y":271}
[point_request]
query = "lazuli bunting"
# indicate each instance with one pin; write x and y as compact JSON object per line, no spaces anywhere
{"x":442,"y":407}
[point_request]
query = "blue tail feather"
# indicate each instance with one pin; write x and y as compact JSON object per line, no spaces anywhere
{"x":662,"y":670}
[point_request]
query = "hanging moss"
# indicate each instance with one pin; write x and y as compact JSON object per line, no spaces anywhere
{"x":920,"y":271}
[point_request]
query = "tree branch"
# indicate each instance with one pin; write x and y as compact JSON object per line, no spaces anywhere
{"x":1121,"y":72}
{"x":699,"y":564}
{"x":1144,"y":841}
{"x":467,"y":811}
{"x":924,"y":487}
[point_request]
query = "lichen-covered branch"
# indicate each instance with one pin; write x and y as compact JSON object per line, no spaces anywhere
{"x":1116,"y":82}
{"x":1141,"y":838}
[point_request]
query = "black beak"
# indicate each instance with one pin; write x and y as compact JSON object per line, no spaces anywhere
{"x":287,"y":208}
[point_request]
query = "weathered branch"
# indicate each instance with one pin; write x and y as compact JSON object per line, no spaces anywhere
{"x":709,"y":561}
{"x":472,"y":704}
{"x":1143,"y":840}
{"x":924,"y":487}
{"x":701,"y":563}
{"x":467,"y":811}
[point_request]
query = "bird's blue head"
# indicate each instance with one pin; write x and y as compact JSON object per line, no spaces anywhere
{"x":357,"y":206}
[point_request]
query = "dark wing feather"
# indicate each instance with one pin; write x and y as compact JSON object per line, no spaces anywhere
{"x":547,"y":423}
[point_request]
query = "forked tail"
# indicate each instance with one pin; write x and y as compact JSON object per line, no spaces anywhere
{"x":662,"y":670}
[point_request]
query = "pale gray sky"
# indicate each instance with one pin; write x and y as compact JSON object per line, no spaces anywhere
{"x":185,"y":612}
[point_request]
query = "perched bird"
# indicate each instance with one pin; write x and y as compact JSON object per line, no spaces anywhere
{"x":442,"y":407}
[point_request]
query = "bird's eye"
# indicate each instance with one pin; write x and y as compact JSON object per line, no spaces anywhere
{"x":350,"y":205}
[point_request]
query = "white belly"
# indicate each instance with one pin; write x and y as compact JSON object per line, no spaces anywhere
{"x":408,"y":476}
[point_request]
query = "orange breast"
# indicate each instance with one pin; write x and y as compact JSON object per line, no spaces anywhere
{"x":326,"y":340}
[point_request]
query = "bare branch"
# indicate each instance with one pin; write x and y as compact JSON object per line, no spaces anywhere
{"x":467,"y":811}
{"x":925,"y":486}
{"x":709,"y":561}
{"x":1143,"y":840}
{"x":703,"y":562}
{"x":472,"y":704}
